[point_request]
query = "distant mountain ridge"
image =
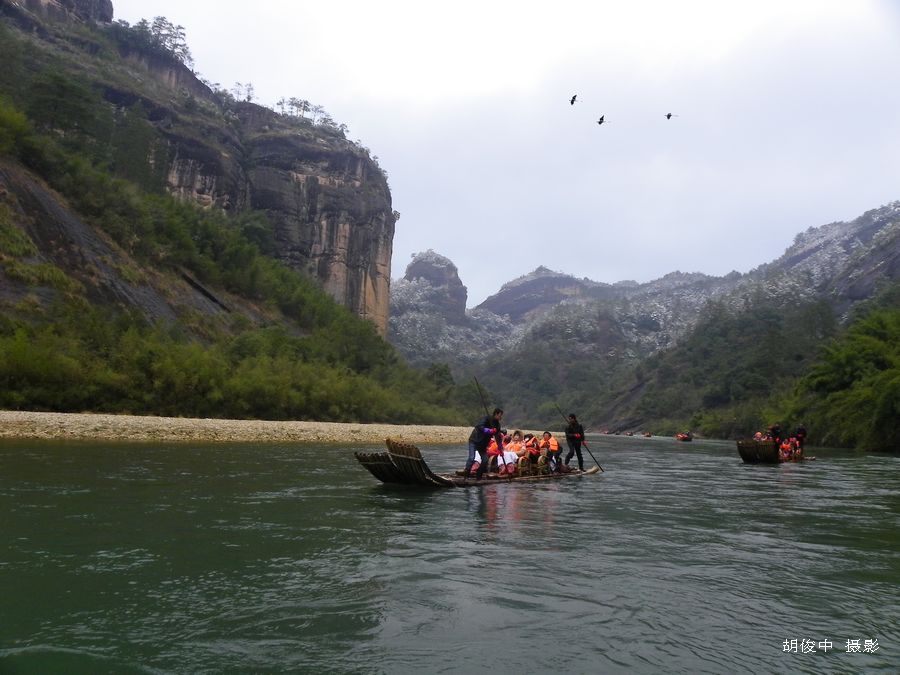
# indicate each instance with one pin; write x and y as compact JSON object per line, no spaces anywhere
{"x":620,"y":325}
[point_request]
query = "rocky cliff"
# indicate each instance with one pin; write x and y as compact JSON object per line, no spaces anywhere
{"x":329,"y":203}
{"x":326,"y":200}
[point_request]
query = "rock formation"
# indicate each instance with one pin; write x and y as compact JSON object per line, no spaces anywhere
{"x":328,"y":202}
{"x":439,"y":286}
{"x":429,"y":322}
{"x":330,"y":205}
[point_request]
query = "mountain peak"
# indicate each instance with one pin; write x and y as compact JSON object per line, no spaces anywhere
{"x":432,"y":279}
{"x":536,"y":292}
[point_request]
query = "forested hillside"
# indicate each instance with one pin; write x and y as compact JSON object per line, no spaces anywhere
{"x":736,"y":373}
{"x":117,"y":297}
{"x":851,"y":394}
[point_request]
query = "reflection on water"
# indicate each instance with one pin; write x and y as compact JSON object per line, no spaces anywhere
{"x":241,"y":558}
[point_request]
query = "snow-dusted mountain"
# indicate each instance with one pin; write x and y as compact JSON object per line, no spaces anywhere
{"x":842,"y":263}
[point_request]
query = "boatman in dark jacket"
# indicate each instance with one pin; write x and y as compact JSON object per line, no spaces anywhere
{"x":775,"y":434}
{"x":487,"y":428}
{"x":574,"y":436}
{"x":800,"y":435}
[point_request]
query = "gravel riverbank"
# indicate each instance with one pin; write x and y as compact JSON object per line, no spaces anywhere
{"x":87,"y":426}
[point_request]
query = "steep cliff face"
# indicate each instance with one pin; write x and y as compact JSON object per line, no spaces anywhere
{"x":327,"y":201}
{"x":330,"y":206}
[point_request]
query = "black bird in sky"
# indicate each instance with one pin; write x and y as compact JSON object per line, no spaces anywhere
{"x":572,"y":100}
{"x":601,"y":120}
{"x":670,"y":116}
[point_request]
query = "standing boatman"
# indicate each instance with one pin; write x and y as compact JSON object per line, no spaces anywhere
{"x":800,"y":435}
{"x":484,"y":430}
{"x":574,"y":436}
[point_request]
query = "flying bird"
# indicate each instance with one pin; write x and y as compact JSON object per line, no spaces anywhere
{"x":670,"y":116}
{"x":572,"y":100}
{"x":601,"y":120}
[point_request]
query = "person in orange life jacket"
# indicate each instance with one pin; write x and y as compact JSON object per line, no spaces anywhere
{"x":786,"y":449}
{"x":486,"y":429}
{"x":513,"y":451}
{"x":495,"y":453}
{"x":532,"y":447}
{"x":554,"y":452}
{"x":574,"y":436}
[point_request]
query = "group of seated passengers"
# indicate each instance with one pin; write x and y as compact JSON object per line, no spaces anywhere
{"x":519,"y":449}
{"x":788,"y":448}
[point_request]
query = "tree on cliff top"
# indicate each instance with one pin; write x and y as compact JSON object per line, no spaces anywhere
{"x":161,"y":36}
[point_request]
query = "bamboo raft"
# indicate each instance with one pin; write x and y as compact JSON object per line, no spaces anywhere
{"x":763,"y":452}
{"x":403,"y":464}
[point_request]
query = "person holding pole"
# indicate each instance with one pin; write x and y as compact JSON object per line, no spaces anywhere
{"x":484,"y":430}
{"x":574,"y":436}
{"x":583,"y":443}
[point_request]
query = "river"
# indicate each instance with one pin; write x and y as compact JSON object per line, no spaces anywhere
{"x":147,"y":558}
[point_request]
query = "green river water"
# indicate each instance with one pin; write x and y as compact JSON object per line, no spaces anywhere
{"x":147,"y":558}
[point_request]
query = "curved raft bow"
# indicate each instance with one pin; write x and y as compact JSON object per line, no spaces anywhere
{"x":403,"y":464}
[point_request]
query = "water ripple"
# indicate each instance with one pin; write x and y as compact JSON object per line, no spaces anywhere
{"x":238,"y":558}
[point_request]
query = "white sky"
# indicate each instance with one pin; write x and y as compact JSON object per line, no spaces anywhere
{"x":787,"y":118}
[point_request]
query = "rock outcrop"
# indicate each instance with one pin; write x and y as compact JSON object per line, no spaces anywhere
{"x":429,"y":322}
{"x":432,"y":281}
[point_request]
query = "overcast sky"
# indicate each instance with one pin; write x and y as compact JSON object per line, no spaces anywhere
{"x":788,"y":116}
